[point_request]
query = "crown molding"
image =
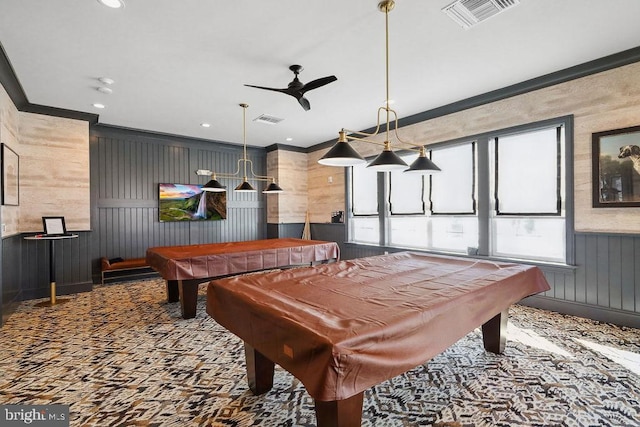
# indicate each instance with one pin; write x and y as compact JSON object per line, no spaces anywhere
{"x":285,"y":147}
{"x":606,"y":63}
{"x":11,"y":84}
{"x":14,"y":89}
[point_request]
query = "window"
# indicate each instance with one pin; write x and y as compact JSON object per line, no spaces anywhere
{"x":528,"y":172}
{"x":528,"y":220}
{"x":407,"y":225}
{"x":454,"y":222}
{"x":501,"y":194}
{"x":406,"y":191}
{"x":450,"y":223}
{"x":364,"y":226}
{"x":453,"y":189}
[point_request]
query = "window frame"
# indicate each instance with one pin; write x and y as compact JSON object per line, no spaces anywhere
{"x":474,"y":201}
{"x":495,"y":139}
{"x":351,"y":210}
{"x":423,"y":211}
{"x":484,"y":192}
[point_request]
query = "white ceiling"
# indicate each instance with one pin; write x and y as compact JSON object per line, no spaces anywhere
{"x":179,"y":63}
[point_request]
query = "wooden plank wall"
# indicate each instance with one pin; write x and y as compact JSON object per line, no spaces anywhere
{"x":126,"y":168}
{"x":54,"y":150}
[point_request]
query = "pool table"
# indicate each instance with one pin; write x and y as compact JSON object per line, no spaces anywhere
{"x":185,"y":267}
{"x":342,"y":328}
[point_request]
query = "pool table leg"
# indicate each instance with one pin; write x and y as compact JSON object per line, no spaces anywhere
{"x":173,"y":295}
{"x":188,"y":291}
{"x":340,"y":413}
{"x":259,"y":370}
{"x":494,"y":332}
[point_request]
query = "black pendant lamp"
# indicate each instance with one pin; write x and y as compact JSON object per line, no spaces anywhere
{"x":245,"y":165}
{"x":214,"y":185}
{"x":273,"y":188}
{"x":341,"y":154}
{"x":387,"y":160}
{"x":245,"y":187}
{"x":422,"y":165}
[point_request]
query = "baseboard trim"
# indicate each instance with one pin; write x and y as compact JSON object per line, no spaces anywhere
{"x":10,"y":307}
{"x":74,"y":288}
{"x":602,"y":314}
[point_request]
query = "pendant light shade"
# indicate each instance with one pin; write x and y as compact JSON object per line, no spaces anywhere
{"x":422,"y":165}
{"x":341,"y":154}
{"x":214,"y":186}
{"x":245,"y":187}
{"x":273,"y":188}
{"x":387,"y":161}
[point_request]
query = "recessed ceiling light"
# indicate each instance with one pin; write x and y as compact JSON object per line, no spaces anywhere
{"x":106,"y":80}
{"x":115,"y":4}
{"x":104,"y":89}
{"x":205,"y":125}
{"x":98,"y":105}
{"x":289,"y":139}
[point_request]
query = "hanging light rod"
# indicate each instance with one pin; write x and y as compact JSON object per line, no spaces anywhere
{"x":244,"y":187}
{"x":342,"y":154}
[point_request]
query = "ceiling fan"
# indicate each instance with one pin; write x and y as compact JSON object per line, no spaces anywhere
{"x":297,"y":89}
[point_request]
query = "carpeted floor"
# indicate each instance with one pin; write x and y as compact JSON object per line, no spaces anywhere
{"x":121,"y":355}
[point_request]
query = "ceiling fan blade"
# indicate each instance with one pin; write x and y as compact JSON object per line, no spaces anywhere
{"x":305,"y":103}
{"x":297,"y":89}
{"x":269,"y":88}
{"x":314,"y":84}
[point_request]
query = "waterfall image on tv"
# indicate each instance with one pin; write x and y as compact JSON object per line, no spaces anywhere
{"x":187,"y":202}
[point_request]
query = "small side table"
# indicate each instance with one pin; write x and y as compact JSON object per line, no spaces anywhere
{"x":52,"y":266}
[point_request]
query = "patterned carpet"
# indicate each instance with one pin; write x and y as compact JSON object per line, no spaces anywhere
{"x":122,"y":356}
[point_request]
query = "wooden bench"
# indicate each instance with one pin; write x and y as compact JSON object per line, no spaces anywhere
{"x":117,"y":269}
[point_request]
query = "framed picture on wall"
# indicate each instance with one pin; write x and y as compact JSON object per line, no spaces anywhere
{"x":616,"y":168}
{"x":10,"y":176}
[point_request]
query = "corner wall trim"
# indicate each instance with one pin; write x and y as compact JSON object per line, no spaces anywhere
{"x":103,"y":130}
{"x":10,"y":81}
{"x":60,"y":112}
{"x":285,"y":147}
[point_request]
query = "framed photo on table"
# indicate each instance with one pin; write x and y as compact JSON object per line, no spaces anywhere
{"x":10,"y":176}
{"x":54,"y":225}
{"x":616,"y":168}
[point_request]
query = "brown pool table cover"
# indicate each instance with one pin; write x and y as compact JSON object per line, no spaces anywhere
{"x":342,"y":328}
{"x":220,"y":259}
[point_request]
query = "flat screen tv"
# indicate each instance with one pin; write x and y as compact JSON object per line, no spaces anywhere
{"x":187,"y":202}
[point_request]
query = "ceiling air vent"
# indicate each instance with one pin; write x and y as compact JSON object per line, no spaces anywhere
{"x":267,"y":119}
{"x":468,"y":13}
